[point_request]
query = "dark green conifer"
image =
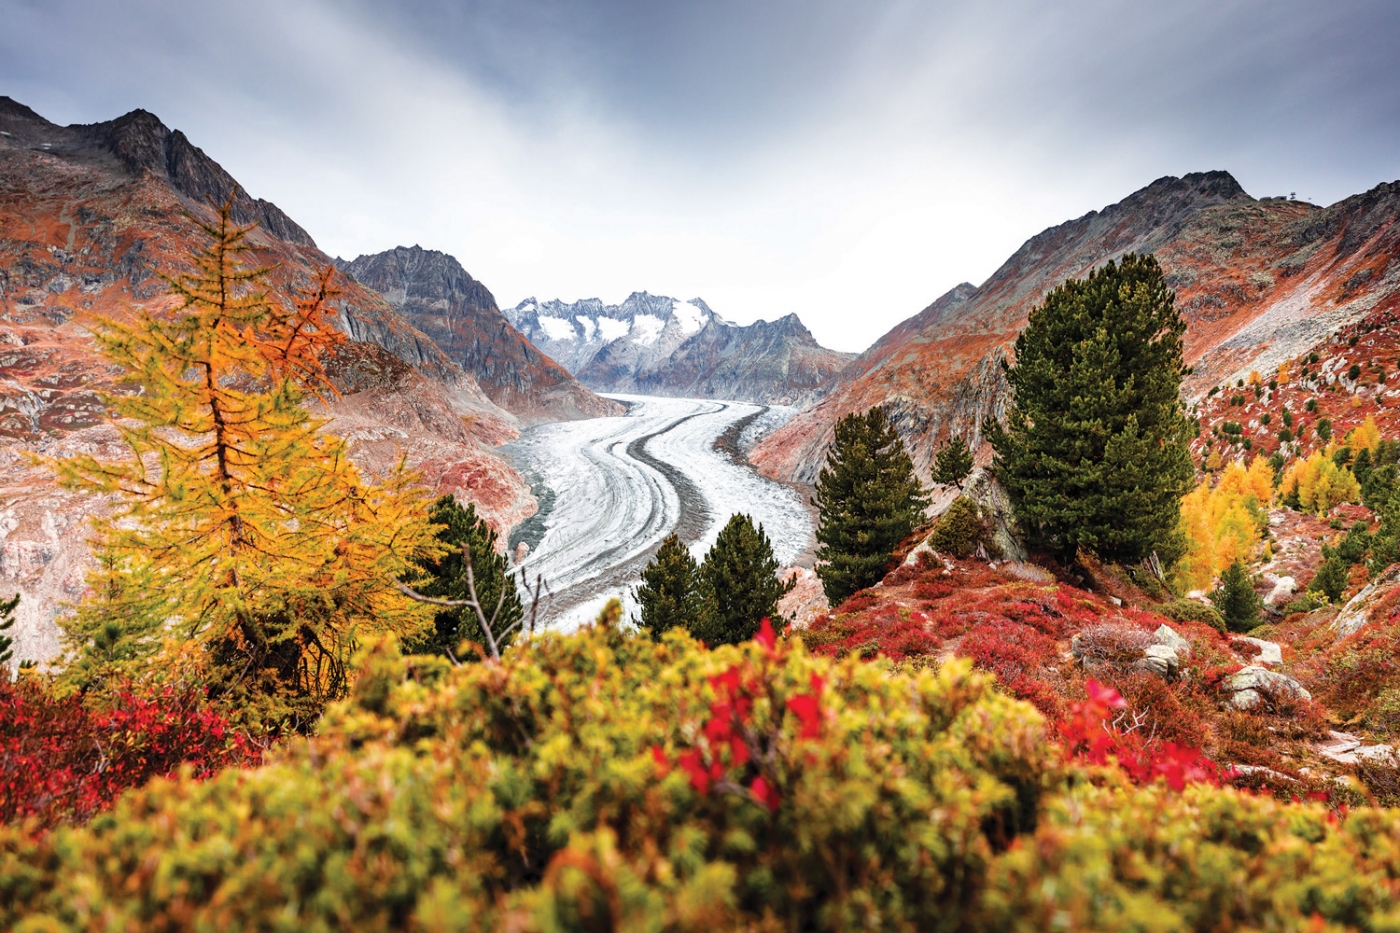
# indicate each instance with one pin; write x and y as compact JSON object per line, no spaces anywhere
{"x":670,"y":595}
{"x":869,"y":499}
{"x":1331,"y":578}
{"x":739,"y":579}
{"x":7,"y":622}
{"x":953,"y":463}
{"x":446,"y":578}
{"x":1236,"y":600}
{"x":1094,"y":449}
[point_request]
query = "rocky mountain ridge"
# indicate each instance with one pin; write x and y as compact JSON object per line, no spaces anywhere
{"x":655,"y":345}
{"x":1257,"y":281}
{"x":459,"y":314}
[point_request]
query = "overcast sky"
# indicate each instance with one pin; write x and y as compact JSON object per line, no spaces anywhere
{"x":849,"y":161}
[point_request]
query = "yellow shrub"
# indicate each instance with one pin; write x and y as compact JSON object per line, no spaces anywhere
{"x":1317,"y":484}
{"x":1282,"y":376}
{"x":1223,"y":523}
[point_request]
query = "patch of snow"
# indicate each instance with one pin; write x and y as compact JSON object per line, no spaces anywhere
{"x":646,"y":329}
{"x":690,"y":318}
{"x":556,"y":328}
{"x":589,"y":327}
{"x":610,"y":328}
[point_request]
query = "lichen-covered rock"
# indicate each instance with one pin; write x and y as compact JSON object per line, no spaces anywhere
{"x":1357,"y":611}
{"x":1168,"y":636}
{"x":1161,"y":660}
{"x":1265,"y":681}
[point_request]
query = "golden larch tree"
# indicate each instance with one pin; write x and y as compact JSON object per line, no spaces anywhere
{"x":244,"y":545}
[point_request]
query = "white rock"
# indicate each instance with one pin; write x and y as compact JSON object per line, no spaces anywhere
{"x":1377,"y":754}
{"x":1255,"y":678}
{"x":1246,"y":700}
{"x":1166,"y":635}
{"x":1282,"y":592}
{"x":1354,"y":614}
{"x":1269,"y":652}
{"x":1161,"y":660}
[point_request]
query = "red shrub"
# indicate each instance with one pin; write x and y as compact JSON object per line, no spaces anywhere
{"x":61,"y":760}
{"x":1091,"y":737}
{"x":882,"y":632}
{"x":1008,"y":649}
{"x":858,"y":602}
{"x":934,"y":590}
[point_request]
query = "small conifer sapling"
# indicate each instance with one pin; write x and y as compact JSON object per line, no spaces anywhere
{"x":670,"y":595}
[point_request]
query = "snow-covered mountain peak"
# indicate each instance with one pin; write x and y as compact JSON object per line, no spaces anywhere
{"x":657,"y":344}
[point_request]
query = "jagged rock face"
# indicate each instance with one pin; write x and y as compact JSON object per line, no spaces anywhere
{"x":435,"y":294}
{"x":1257,"y":281}
{"x":89,"y":217}
{"x":654,"y":345}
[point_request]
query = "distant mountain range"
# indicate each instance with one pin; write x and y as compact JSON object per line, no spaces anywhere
{"x":1258,"y":281}
{"x":654,"y":345}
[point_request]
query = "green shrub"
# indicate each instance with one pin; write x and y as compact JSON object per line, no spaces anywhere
{"x":1106,"y":858}
{"x":570,"y":788}
{"x":1188,"y":610}
{"x":553,"y":791}
{"x":960,"y":529}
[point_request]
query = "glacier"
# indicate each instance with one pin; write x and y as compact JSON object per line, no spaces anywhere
{"x":611,"y":489}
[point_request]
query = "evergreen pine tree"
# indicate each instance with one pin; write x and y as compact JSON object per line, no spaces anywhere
{"x":1236,"y":600}
{"x":445,"y":577}
{"x":869,"y":499}
{"x":243,"y":549}
{"x":7,"y":622}
{"x":670,"y":595}
{"x":1331,"y":578}
{"x":953,"y":463}
{"x":739,"y":580}
{"x":1094,"y":449}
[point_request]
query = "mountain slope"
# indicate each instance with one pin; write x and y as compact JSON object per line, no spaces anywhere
{"x":1257,"y":282}
{"x":654,"y":345}
{"x":90,"y":216}
{"x":435,"y":294}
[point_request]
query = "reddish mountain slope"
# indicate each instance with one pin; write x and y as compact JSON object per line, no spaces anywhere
{"x":88,"y":214}
{"x":1258,"y":281}
{"x":435,"y":294}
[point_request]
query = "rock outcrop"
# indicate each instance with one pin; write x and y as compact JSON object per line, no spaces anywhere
{"x":436,"y":295}
{"x":1257,"y":281}
{"x":90,"y":217}
{"x":653,"y":345}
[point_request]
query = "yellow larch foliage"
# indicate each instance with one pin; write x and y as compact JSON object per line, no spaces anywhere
{"x":244,"y":546}
{"x":1317,"y":484}
{"x":1365,"y":436}
{"x":1223,"y":522}
{"x":1282,"y":376}
{"x":1254,"y":378}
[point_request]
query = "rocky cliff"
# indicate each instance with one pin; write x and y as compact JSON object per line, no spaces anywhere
{"x":1257,"y":280}
{"x":654,"y":345}
{"x":90,"y":216}
{"x":436,"y":295}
